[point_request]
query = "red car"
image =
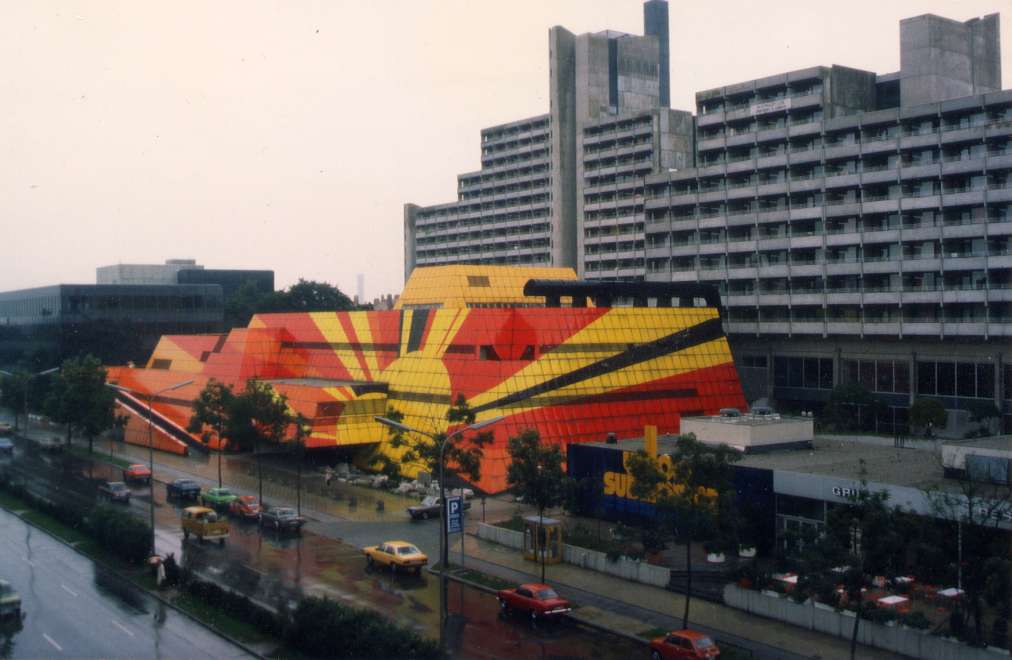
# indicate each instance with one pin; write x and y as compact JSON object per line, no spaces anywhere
{"x":137,"y":472}
{"x":683,"y":644}
{"x":538,"y":601}
{"x":245,"y":506}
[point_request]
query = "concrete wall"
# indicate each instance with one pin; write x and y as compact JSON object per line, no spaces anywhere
{"x":824,"y":619}
{"x":410,"y":213}
{"x":745,"y":434}
{"x":638,"y":68}
{"x":655,"y":24}
{"x":627,"y":569}
{"x":850,"y":91}
{"x":945,"y":59}
{"x":675,"y":140}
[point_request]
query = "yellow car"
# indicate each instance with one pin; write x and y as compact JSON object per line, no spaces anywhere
{"x":205,"y":524}
{"x":397,"y":555}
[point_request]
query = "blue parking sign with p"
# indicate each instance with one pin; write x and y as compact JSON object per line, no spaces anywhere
{"x":454,"y":514}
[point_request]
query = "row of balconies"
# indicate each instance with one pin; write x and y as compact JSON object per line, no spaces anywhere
{"x":872,"y":328}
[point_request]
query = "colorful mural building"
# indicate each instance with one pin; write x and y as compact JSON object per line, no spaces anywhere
{"x":534,"y":346}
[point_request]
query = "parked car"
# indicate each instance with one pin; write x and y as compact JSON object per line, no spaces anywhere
{"x":183,"y":489}
{"x":6,"y":428}
{"x":683,"y":644}
{"x":537,"y":601}
{"x":429,"y":508}
{"x":6,"y":446}
{"x":218,"y":498}
{"x":205,"y":524}
{"x":114,"y":491}
{"x":137,"y":472}
{"x":10,"y":601}
{"x":246,"y":507}
{"x":396,"y":555}
{"x":281,"y":518}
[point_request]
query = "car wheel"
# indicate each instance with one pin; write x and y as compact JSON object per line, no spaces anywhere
{"x":504,"y":606}
{"x":654,"y":655}
{"x":368,"y":561}
{"x":534,"y":617}
{"x":425,"y":515}
{"x":221,"y":542}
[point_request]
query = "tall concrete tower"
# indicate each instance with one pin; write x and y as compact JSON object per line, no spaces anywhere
{"x":655,"y":24}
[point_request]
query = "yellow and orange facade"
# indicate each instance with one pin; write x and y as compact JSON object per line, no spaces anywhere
{"x":575,"y":373}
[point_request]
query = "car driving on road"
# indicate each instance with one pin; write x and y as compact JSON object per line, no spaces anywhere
{"x":183,"y":489}
{"x":683,"y":644}
{"x":205,"y":524}
{"x":137,"y":472}
{"x":10,"y":601}
{"x":537,"y":601}
{"x":396,"y":555}
{"x":246,"y":507}
{"x":6,"y":446}
{"x":114,"y":491}
{"x":429,"y":508}
{"x":218,"y":498}
{"x":281,"y":518}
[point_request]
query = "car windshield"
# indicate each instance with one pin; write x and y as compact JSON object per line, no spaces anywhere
{"x":117,"y":486}
{"x":284,"y":513}
{"x":703,"y":643}
{"x":546,"y":594}
{"x":407,"y":550}
{"x":223,"y":491}
{"x":430,"y":501}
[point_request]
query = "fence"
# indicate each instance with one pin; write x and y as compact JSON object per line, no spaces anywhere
{"x":627,"y":569}
{"x":822,"y":618}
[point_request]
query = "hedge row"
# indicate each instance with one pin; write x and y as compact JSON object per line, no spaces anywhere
{"x":319,"y":627}
{"x":118,"y":532}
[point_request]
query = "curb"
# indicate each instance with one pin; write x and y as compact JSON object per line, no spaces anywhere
{"x":153,"y":594}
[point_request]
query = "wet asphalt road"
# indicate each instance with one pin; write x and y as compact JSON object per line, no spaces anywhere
{"x":326,"y":560}
{"x":72,"y":608}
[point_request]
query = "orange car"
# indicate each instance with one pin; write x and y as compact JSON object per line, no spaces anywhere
{"x":683,"y":644}
{"x":246,"y":507}
{"x":137,"y":472}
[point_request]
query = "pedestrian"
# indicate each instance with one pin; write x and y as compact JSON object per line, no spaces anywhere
{"x":328,"y":474}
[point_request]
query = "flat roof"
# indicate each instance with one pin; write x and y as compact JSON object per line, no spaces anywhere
{"x":1001,"y":442}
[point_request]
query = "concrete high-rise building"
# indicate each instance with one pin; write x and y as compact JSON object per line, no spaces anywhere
{"x":857,"y":224}
{"x":524,"y":206}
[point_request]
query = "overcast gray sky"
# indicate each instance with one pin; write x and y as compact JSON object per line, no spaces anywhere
{"x":287,"y":135}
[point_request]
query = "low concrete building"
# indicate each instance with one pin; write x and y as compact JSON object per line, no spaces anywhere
{"x":752,"y":433}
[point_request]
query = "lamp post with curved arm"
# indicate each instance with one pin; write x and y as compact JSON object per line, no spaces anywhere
{"x":151,"y":442}
{"x":443,"y":543}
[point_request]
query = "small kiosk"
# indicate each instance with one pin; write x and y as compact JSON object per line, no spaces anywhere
{"x":549,"y":539}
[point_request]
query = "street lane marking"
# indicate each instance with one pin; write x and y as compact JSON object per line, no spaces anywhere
{"x":69,"y":590}
{"x":53,"y":642}
{"x":122,"y":627}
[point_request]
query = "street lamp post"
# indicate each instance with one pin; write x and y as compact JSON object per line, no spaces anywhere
{"x":24,"y":392}
{"x":151,"y":443}
{"x":443,"y":533}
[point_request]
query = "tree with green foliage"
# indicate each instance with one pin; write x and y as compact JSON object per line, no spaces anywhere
{"x":927,"y":414}
{"x":866,"y":537}
{"x":463,"y":457}
{"x":978,"y":507}
{"x":258,"y":415}
{"x":304,"y":296}
{"x":211,"y":410}
{"x":536,"y":474}
{"x":692,"y":494}
{"x":852,"y":407}
{"x":80,"y":399}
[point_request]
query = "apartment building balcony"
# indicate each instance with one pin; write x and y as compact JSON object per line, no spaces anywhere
{"x":920,"y":171}
{"x":766,"y":162}
{"x":964,"y":262}
{"x":962,"y":165}
{"x":813,"y":241}
{"x":879,"y":328}
{"x":773,"y":216}
{"x":710,"y":170}
{"x":929,"y":139}
{"x":879,"y":146}
{"x":709,"y":144}
{"x":807,"y":298}
{"x":996,"y":195}
{"x":971,"y":134}
{"x":743,"y":165}
{"x":806,"y":212}
{"x":999,"y":228}
{"x":847,"y":180}
{"x":767,"y":189}
{"x":772,"y":134}
{"x":974,"y":197}
{"x":922,"y":328}
{"x":710,"y":118}
{"x":737,"y":113}
{"x":777,"y":243}
{"x":739,"y":219}
{"x":883,"y":236}
{"x":711,"y":196}
{"x":806,"y":270}
{"x":663,"y":251}
{"x":885,"y":174}
{"x":734,"y":247}
{"x":922,"y":264}
{"x":808,"y":328}
{"x":806,"y":185}
{"x":683,"y":275}
{"x":741,"y":327}
{"x":774,"y":327}
{"x":740,"y":300}
{"x":887,"y":265}
{"x":852,"y":328}
{"x":881,"y":205}
{"x":740,"y":139}
{"x":964,"y":329}
{"x":964,"y":295}
{"x":806,"y":156}
{"x":917,"y":203}
{"x":837,"y":239}
{"x":742,"y":272}
{"x":883,"y":297}
{"x":974,"y":230}
{"x":808,"y":128}
{"x":842,"y":151}
{"x":775,"y":270}
{"x":741,"y":192}
{"x":843,"y":268}
{"x":842,"y":209}
{"x":999,"y":161}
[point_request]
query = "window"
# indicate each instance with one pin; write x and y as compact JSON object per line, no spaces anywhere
{"x":963,"y":379}
{"x":478,"y":280}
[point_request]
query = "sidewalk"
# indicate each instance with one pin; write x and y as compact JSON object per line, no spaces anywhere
{"x":623,"y":607}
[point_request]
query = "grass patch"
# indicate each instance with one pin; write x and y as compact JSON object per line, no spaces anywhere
{"x":483,"y":579}
{"x":651,"y":633}
{"x":219,"y":620}
{"x":82,"y":452}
